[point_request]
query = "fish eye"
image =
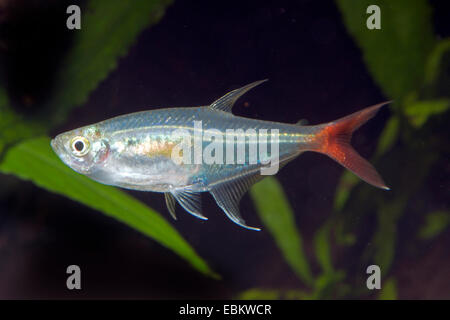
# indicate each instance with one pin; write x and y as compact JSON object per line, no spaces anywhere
{"x":80,"y":146}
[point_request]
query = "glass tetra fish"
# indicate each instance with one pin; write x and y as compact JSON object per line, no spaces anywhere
{"x":185,"y":151}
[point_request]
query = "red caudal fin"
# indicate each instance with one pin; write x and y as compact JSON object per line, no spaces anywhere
{"x":335,"y":142}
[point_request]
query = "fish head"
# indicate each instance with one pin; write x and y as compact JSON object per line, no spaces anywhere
{"x":85,"y":150}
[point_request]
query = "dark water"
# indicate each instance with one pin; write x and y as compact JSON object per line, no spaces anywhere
{"x":198,"y":52}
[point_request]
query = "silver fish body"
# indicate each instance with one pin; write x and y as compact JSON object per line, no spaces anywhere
{"x":136,"y":151}
{"x":140,"y":145}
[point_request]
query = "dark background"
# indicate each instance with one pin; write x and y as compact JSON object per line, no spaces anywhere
{"x":196,"y":53}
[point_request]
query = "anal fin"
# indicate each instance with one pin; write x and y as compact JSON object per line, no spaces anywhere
{"x":228,"y":194}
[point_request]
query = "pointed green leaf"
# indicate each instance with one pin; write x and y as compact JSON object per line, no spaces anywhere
{"x":108,"y":29}
{"x":322,"y":248}
{"x":388,"y":136}
{"x":276,"y":213}
{"x":330,"y":285}
{"x":346,"y":184}
{"x":435,"y":223}
{"x":434,"y":62}
{"x":388,"y":290}
{"x":419,"y":111}
{"x":259,"y":294}
{"x":395,"y":54}
{"x":34,"y":160}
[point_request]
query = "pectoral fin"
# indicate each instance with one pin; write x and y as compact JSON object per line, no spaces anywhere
{"x":190,"y":201}
{"x":226,"y":102}
{"x":228,"y":194}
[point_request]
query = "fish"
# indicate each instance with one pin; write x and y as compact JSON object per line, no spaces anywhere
{"x":160,"y":150}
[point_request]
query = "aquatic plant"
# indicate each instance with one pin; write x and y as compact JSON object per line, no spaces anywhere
{"x":408,"y":62}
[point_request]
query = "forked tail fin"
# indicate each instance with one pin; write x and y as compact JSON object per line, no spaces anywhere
{"x":335,"y":139}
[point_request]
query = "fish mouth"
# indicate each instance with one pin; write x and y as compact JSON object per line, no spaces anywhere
{"x":58,"y":149}
{"x":56,"y":146}
{"x":53,"y":144}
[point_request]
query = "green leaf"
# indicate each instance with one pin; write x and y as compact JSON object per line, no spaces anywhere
{"x":388,"y":136}
{"x":346,"y":184}
{"x":342,"y":236}
{"x":34,"y":160}
{"x":327,"y":285}
{"x":391,"y":208}
{"x":297,"y":295}
{"x":109,"y":28}
{"x":396,"y":54}
{"x":322,"y":247}
{"x":384,"y":240}
{"x":418,"y":112}
{"x":433,"y":66}
{"x":435,"y":223}
{"x":259,"y":294}
{"x":276,"y":213}
{"x":330,"y":283}
{"x":388,"y":290}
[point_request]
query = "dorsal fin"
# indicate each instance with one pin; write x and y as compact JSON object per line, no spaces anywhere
{"x":228,"y":194}
{"x":226,"y":102}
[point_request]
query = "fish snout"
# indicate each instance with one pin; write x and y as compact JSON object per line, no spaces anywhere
{"x":57,"y":145}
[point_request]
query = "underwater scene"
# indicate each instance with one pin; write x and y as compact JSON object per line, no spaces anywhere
{"x":119,"y":179}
